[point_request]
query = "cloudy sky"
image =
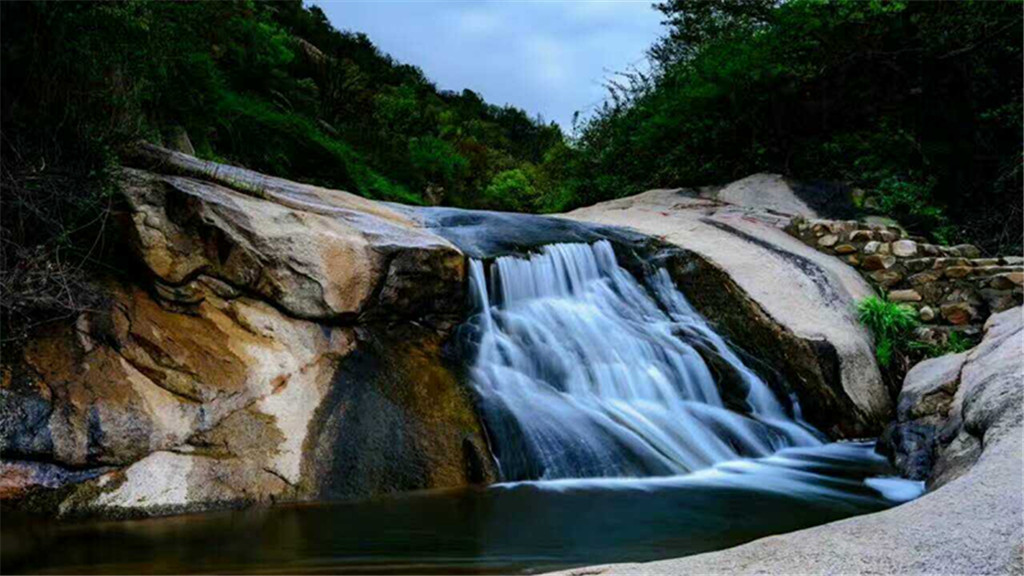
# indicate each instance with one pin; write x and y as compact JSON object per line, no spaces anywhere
{"x":547,"y":57}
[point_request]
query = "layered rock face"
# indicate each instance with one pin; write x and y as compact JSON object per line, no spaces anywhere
{"x":235,"y":363}
{"x":970,"y":522}
{"x":787,"y":304}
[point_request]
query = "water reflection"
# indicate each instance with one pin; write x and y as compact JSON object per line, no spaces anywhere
{"x":521,"y":528}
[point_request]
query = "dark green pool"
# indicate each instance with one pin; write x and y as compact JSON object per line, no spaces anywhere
{"x":530,"y":527}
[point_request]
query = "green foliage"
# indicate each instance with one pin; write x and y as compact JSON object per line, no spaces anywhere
{"x":891,"y":324}
{"x":271,"y":86}
{"x":436,"y":161}
{"x":955,"y":343}
{"x":511,"y":190}
{"x":918,"y":103}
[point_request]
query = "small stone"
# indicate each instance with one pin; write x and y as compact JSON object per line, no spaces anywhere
{"x":871,"y":247}
{"x":999,"y":300}
{"x":919,"y":264}
{"x":904,"y":248}
{"x":853,"y":260}
{"x":926,"y":313}
{"x":949,"y":262}
{"x":862,"y":236}
{"x":886,"y":278}
{"x":929,"y":249}
{"x":819,"y":229}
{"x":958,"y":313}
{"x":905,"y":296}
{"x":979,"y":271}
{"x":1007,"y":280}
{"x":986,"y":262}
{"x":926,"y":277}
{"x":828,"y":240}
{"x":958,"y":271}
{"x":966,"y":251}
{"x":878,"y":262}
{"x":1013,"y":260}
{"x":933,"y":292}
{"x":845,"y":249}
{"x":888,"y":235}
{"x":885,"y":248}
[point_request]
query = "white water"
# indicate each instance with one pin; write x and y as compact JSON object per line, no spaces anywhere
{"x":583,"y":372}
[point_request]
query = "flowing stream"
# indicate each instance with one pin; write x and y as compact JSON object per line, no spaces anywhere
{"x":624,"y":429}
{"x":583,"y":373}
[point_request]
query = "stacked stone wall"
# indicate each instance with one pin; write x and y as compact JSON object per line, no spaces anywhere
{"x":953,"y":288}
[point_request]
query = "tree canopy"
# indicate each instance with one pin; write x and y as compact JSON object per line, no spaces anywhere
{"x":918,"y":103}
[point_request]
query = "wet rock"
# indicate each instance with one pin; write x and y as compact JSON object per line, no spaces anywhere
{"x":845,"y":249}
{"x":828,"y":240}
{"x":19,"y":479}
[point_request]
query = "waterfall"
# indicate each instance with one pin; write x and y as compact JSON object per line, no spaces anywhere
{"x":584,"y":372}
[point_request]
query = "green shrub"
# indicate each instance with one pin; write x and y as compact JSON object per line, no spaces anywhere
{"x":955,"y":343}
{"x":891,"y":324}
{"x":511,"y":190}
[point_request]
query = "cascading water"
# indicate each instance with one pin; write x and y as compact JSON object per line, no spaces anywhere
{"x":588,"y":380}
{"x":583,"y":372}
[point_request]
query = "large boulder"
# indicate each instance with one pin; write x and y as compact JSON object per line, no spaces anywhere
{"x":782,"y":301}
{"x":922,"y":413}
{"x":229,"y":366}
{"x":970,"y":522}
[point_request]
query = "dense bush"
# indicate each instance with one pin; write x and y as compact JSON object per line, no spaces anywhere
{"x":918,"y":103}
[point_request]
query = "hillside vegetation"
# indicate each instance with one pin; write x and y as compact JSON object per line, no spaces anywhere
{"x":918,"y":104}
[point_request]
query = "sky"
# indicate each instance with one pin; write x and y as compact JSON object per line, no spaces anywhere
{"x":546,"y":57}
